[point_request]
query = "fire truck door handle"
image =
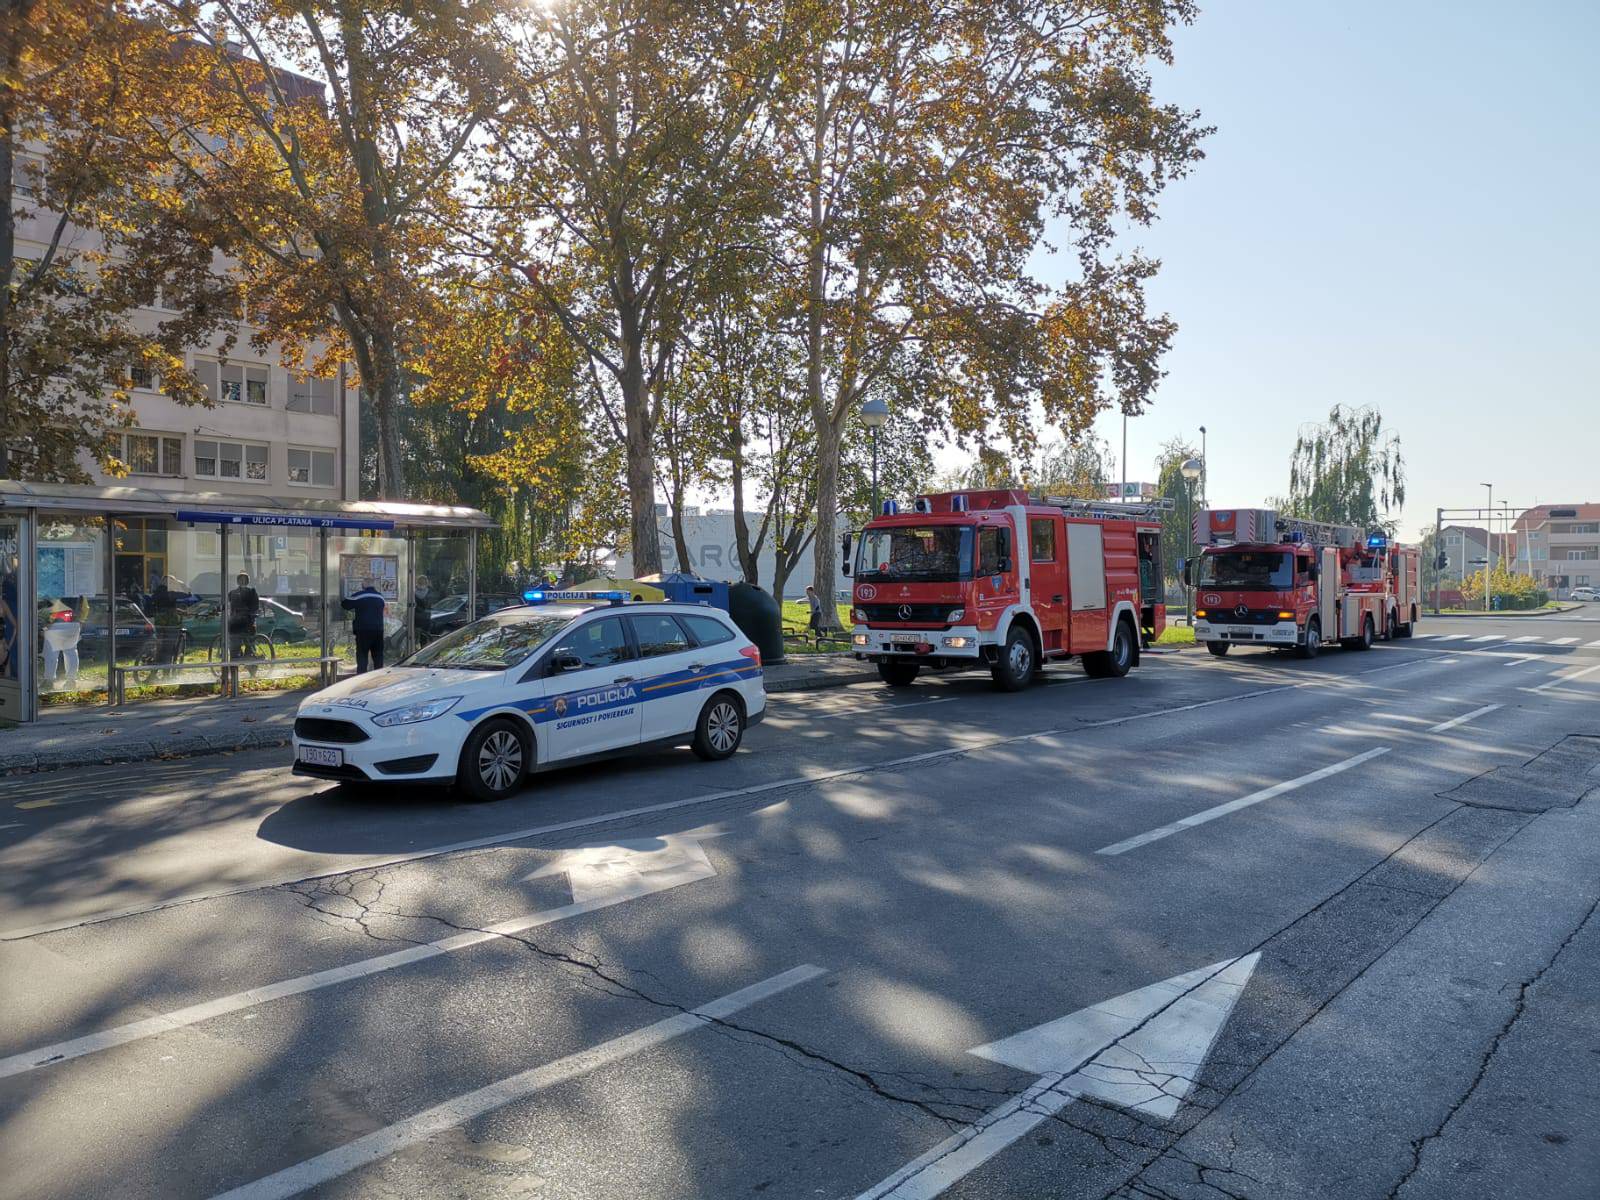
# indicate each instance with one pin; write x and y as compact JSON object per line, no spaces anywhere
{"x":1057,"y":598}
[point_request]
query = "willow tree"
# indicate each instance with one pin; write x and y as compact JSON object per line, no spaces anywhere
{"x":932,"y":149}
{"x":1348,"y":470}
{"x":90,"y":236}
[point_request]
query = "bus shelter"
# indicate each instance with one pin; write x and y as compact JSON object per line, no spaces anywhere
{"x":112,"y":595}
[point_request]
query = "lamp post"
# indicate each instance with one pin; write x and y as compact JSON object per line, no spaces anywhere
{"x":1488,"y":549}
{"x":873,"y":415}
{"x":1204,"y":476}
{"x":1192,"y":469}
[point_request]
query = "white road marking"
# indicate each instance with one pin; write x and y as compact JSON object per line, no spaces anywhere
{"x":1116,"y":1051}
{"x":1490,"y":637}
{"x":1448,"y":662}
{"x":291,"y":1181}
{"x":1592,"y":646}
{"x":1462,"y":719}
{"x":1562,"y":641}
{"x":1233,"y":806}
{"x":1521,"y":662}
{"x":1526,"y":639}
{"x":600,"y":877}
{"x":1384,"y":716}
{"x":1453,"y":637}
{"x":1560,"y":679}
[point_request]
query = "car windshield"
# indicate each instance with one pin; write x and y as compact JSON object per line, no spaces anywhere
{"x":925,"y":554}
{"x":492,"y":644}
{"x":1259,"y":570}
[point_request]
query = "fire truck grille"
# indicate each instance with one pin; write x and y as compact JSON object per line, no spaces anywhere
{"x":1254,"y":616}
{"x":908,"y":614}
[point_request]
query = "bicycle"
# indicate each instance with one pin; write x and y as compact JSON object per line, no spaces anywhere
{"x":255,"y":645}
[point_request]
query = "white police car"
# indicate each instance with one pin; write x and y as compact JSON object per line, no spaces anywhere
{"x":566,"y":677}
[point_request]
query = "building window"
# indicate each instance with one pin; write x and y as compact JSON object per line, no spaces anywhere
{"x":236,"y":383}
{"x":1580,"y":527}
{"x":230,"y":460}
{"x":309,"y":394}
{"x":152,"y":454}
{"x":311,"y":468}
{"x":1583,"y":554}
{"x":141,"y":378}
{"x":1580,"y":581}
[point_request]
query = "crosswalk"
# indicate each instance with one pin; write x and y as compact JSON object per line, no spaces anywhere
{"x":1523,"y":640}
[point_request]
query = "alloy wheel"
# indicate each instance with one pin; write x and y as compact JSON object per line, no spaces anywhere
{"x":500,"y":759}
{"x":722,"y":727}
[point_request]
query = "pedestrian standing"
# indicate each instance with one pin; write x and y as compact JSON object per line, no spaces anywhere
{"x":815,"y":601}
{"x":367,"y":627}
{"x":244,"y":606}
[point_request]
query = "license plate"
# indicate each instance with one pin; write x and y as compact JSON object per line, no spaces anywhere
{"x":124,"y":632}
{"x":898,"y":644}
{"x":321,"y":756}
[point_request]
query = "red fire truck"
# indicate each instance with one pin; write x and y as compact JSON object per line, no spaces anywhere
{"x":1298,"y":585}
{"x":1008,"y":581}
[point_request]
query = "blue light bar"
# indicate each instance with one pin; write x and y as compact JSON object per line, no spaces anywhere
{"x":890,"y":508}
{"x":550,"y":596}
{"x":1377,"y":542}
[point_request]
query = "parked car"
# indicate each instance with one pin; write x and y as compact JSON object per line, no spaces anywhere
{"x":1588,"y":594}
{"x":451,"y":611}
{"x":282,"y":624}
{"x":537,"y":686}
{"x":136,"y":633}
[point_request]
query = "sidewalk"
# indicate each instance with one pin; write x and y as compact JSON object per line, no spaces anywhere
{"x":1562,"y":606}
{"x":181,"y":728}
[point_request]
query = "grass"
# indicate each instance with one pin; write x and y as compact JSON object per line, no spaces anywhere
{"x":1176,"y":635}
{"x":797,"y":625}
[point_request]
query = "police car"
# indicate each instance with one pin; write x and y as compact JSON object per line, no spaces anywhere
{"x":568,"y":676}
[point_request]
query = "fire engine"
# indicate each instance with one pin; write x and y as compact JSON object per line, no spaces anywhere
{"x":1008,"y":581}
{"x":1291,"y":584}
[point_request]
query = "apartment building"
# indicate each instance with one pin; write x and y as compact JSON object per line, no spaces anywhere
{"x":1559,"y":544}
{"x":1466,"y":547}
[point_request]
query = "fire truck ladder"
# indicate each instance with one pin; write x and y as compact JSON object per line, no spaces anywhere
{"x":1143,"y":510}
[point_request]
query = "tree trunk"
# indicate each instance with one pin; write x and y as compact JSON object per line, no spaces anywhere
{"x":680,"y":543}
{"x":386,"y":402}
{"x":749,"y":563}
{"x":646,"y":538}
{"x":821,"y":410}
{"x":825,"y":557}
{"x":16,"y":12}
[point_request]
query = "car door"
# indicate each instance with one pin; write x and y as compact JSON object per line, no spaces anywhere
{"x":592,"y":698}
{"x":671,"y":674}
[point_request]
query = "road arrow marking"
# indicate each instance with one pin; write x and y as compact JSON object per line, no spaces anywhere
{"x":623,"y":870}
{"x":601,"y":876}
{"x":1142,"y":1050}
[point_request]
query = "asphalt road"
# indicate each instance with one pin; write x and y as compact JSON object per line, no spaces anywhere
{"x":1242,"y":927}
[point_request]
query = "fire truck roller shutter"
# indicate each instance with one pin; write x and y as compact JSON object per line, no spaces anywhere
{"x":1086,"y":564}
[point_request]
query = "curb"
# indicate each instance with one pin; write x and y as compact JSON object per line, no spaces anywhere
{"x":1524,"y":614}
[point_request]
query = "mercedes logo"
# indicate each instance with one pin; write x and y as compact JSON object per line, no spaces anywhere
{"x":905,"y":612}
{"x":1242,"y":611}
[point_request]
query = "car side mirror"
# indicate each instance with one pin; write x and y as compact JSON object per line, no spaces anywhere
{"x":846,"y":544}
{"x":560,"y":663}
{"x":1183,"y":572}
{"x":1314,"y":570}
{"x":1003,"y":565}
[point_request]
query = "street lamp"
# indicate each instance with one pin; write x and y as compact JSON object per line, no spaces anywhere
{"x":1204,"y":494}
{"x":873,"y":415}
{"x":1488,"y":550}
{"x":1191,"y":470}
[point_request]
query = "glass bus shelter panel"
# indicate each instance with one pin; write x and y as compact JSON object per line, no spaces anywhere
{"x":439,"y":603}
{"x":72,"y":611}
{"x":384,"y":561}
{"x":13,"y":657}
{"x":271,"y":605}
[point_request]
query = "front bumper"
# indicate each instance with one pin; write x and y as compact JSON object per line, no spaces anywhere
{"x":1283,"y":633}
{"x":960,"y":645}
{"x":426,"y":752}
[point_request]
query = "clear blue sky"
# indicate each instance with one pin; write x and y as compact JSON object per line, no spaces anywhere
{"x":1399,"y":207}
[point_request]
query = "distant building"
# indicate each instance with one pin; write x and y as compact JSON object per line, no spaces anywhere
{"x":714,"y":554}
{"x":1466,"y":548}
{"x":1558,"y":544}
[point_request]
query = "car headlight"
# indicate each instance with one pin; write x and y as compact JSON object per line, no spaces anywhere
{"x":412,"y":713}
{"x":956,"y":614}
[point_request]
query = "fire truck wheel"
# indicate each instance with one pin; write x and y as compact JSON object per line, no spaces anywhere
{"x":1364,"y":642}
{"x":1113,"y":663}
{"x":1313,"y":640}
{"x":1406,"y":628}
{"x":897,"y":674}
{"x":1218,"y":648}
{"x":1014,"y":671}
{"x":1391,"y":627}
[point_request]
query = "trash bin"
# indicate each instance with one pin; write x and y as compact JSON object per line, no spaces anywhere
{"x":759,"y":617}
{"x":681,"y":588}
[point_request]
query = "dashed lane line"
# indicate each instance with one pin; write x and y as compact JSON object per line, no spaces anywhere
{"x":1462,"y":719}
{"x":1233,"y":806}
{"x":1566,"y":641}
{"x":1490,"y":637}
{"x":381,"y":1143}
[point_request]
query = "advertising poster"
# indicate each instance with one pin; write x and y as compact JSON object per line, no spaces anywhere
{"x":382,"y":571}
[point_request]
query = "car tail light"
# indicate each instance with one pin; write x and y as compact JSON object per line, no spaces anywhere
{"x":752,"y":653}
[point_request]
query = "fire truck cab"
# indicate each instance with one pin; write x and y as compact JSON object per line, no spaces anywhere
{"x":1008,"y":581}
{"x":1298,"y":585}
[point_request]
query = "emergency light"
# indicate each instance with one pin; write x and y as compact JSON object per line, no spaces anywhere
{"x":890,"y":508}
{"x":549,"y":596}
{"x":1377,"y":541}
